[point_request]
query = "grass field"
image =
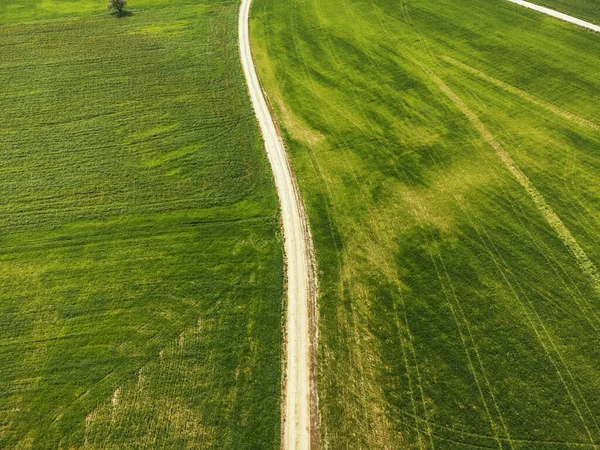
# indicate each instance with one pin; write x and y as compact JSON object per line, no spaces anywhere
{"x":447,"y":152}
{"x":583,"y":9}
{"x":141,"y":283}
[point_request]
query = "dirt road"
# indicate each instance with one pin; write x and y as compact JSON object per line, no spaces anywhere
{"x":299,"y":390}
{"x":558,"y":15}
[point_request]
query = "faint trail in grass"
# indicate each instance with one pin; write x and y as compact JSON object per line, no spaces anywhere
{"x":378,"y":224}
{"x":531,"y":323}
{"x":406,"y":364}
{"x":114,"y":404}
{"x":406,"y":14}
{"x":464,"y":433}
{"x":583,"y":261}
{"x":525,"y":95}
{"x":553,"y":262}
{"x":476,"y":350}
{"x":470,"y":363}
{"x":162,"y":414}
{"x":466,"y":349}
{"x":582,"y":301}
{"x":355,"y":320}
{"x":545,"y":332}
{"x":548,"y":336}
{"x":495,"y":255}
{"x":555,"y":222}
{"x":426,"y":417}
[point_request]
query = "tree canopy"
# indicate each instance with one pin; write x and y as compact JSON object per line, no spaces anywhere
{"x":118,"y":5}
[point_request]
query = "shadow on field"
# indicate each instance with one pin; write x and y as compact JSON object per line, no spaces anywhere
{"x":121,"y":14}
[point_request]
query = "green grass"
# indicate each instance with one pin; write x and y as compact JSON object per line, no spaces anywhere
{"x":141,"y":284}
{"x":583,"y":9}
{"x":452,"y":314}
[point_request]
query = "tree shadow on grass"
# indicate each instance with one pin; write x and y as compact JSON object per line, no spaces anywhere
{"x":121,"y":14}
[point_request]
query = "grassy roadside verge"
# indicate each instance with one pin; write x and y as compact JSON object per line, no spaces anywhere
{"x":588,"y":10}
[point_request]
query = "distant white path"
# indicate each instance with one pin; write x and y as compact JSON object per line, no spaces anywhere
{"x":299,"y":407}
{"x":558,"y":15}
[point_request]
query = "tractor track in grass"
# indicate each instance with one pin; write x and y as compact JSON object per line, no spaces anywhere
{"x":299,"y":408}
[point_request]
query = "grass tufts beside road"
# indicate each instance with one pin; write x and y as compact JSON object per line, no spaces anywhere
{"x":588,"y":10}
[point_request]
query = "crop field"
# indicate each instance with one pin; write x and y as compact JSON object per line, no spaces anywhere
{"x":448,"y":155}
{"x":583,"y":9}
{"x":141,"y":271}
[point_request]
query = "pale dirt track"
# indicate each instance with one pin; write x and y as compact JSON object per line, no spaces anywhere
{"x":299,"y":407}
{"x":558,"y":15}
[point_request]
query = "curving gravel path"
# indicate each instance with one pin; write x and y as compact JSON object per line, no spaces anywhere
{"x":299,"y":408}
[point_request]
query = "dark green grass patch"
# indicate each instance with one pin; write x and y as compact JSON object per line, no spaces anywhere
{"x":141,"y":281}
{"x":452,"y":315}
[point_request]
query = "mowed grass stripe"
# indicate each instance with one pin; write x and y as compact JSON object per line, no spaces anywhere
{"x":522,"y":94}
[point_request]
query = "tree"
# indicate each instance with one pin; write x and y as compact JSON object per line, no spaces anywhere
{"x":119,"y":5}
